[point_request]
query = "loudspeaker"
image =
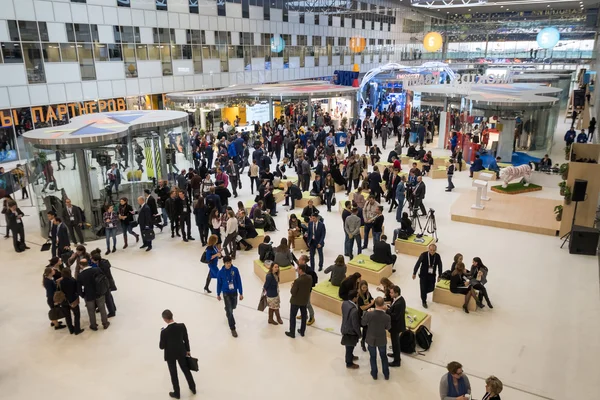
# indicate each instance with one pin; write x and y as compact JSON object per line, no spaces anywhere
{"x":584,"y":240}
{"x":579,"y":189}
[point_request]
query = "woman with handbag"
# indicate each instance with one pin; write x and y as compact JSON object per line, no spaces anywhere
{"x":211,"y":257}
{"x":271,"y":291}
{"x":69,"y":287}
{"x":329,"y":188}
{"x":126,"y":217}
{"x":110,"y":227}
{"x":50,"y":285}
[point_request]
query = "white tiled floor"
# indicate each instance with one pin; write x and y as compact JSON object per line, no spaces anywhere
{"x":541,"y":339}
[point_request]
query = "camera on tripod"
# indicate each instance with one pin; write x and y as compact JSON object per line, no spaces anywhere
{"x":430,"y":225}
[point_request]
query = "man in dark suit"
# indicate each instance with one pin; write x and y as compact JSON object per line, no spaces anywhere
{"x":86,"y":281}
{"x":145,"y":221}
{"x":183,"y":211}
{"x":427,"y":263}
{"x":292,"y":194}
{"x":233,"y":171}
{"x":174,"y":341}
{"x":382,"y":252}
{"x":398,"y":325}
{"x":300,"y":291}
{"x":419,"y":195}
{"x":14,"y":220}
{"x":62,"y":236}
{"x":350,"y":328}
{"x":377,"y":322}
{"x":151,"y":202}
{"x":52,"y":231}
{"x":72,"y":219}
{"x":316,"y":239}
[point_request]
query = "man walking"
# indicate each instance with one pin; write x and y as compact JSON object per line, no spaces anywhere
{"x":184,"y":212}
{"x":398,"y":323}
{"x":73,"y":220}
{"x":316,"y":239}
{"x":229,"y":282}
{"x":146,"y":224}
{"x":92,"y":293}
{"x":377,"y":322}
{"x":428,"y":262}
{"x":234,"y":176}
{"x":450,"y":174}
{"x":176,"y":345}
{"x":350,"y":328}
{"x":300,"y":291}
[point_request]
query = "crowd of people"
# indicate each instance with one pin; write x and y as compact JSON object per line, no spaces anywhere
{"x":206,"y":192}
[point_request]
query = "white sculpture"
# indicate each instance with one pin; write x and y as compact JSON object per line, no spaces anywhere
{"x":509,"y":173}
{"x":485,"y":176}
{"x":480,"y":185}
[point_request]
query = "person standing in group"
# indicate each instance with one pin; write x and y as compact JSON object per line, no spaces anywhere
{"x":145,"y":221}
{"x":398,"y":323}
{"x":428,"y":262}
{"x":14,"y":219}
{"x":378,"y":322}
{"x":365,"y":302}
{"x":170,"y":211}
{"x":49,"y":285}
{"x":184,"y":212}
{"x":105,"y":266}
{"x":419,"y":195}
{"x":86,"y":279}
{"x":213,"y":253}
{"x":231,"y":231}
{"x":350,"y":328}
{"x":69,"y":287}
{"x":450,"y":173}
{"x":229,"y":282}
{"x":72,"y":217}
{"x":63,"y":244}
{"x":271,"y":290}
{"x":151,"y":202}
{"x":126,"y":216}
{"x":377,"y":225}
{"x":316,"y":239}
{"x":110,"y":227}
{"x":201,"y":218}
{"x":352,"y":230}
{"x":176,"y":345}
{"x":400,"y":196}
{"x":301,"y":289}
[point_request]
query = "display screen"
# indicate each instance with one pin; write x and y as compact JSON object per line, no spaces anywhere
{"x":7,"y":184}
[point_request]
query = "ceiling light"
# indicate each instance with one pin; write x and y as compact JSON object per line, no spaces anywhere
{"x":501,"y":6}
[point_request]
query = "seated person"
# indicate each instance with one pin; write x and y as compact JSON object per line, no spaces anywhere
{"x":420,"y":154}
{"x":295,"y":230}
{"x":545,"y":163}
{"x":350,"y":283}
{"x":476,"y":166}
{"x":292,"y":194}
{"x":309,"y":210}
{"x":405,"y":229}
{"x":280,"y":170}
{"x":460,"y":284}
{"x":385,"y":287}
{"x":245,"y":226}
{"x":392,"y":155}
{"x":382,"y":252}
{"x":317,"y":187}
{"x":283,"y":256}
{"x":455,"y":384}
{"x":415,"y":171}
{"x":338,"y":271}
{"x":265,"y":250}
{"x":494,"y":167}
{"x":375,"y":153}
{"x":427,"y":161}
{"x":411,"y":152}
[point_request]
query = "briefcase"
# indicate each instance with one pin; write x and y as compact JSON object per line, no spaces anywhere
{"x":148,"y":235}
{"x":46,"y":246}
{"x":192,"y":364}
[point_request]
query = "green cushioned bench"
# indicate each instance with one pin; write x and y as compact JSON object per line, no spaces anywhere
{"x":443,"y":295}
{"x":438,"y":172}
{"x":286,"y":274}
{"x":325,"y":296}
{"x":418,"y":318}
{"x":370,"y":271}
{"x":412,"y":247}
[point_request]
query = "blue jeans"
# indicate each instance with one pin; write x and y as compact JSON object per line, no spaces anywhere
{"x":450,"y":184}
{"x":349,"y":244}
{"x":230,"y":300}
{"x":384,"y":360}
{"x":111,"y":232}
{"x":313,"y":249}
{"x":376,"y":237}
{"x":399,"y":209}
{"x":368,"y":228}
{"x":165,"y":217}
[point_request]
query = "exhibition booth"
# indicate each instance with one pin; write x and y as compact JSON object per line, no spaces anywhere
{"x":146,"y":145}
{"x":263,"y":103}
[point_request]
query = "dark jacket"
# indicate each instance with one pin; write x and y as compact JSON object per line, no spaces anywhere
{"x":13,"y":220}
{"x":350,"y":328}
{"x":171,"y":207}
{"x":378,"y":322}
{"x":69,"y":287}
{"x":151,"y":202}
{"x":87,"y":283}
{"x":396,"y":312}
{"x":317,"y":232}
{"x":300,"y":291}
{"x":420,"y":191}
{"x":62,"y":238}
{"x":163,"y":194}
{"x":174,"y":341}
{"x":75,"y":214}
{"x":263,"y":249}
{"x":294,"y":192}
{"x":382,"y":253}
{"x":271,"y":285}
{"x":145,"y":218}
{"x":182,"y":207}
{"x":423,"y":264}
{"x":126,"y":212}
{"x":104,"y":266}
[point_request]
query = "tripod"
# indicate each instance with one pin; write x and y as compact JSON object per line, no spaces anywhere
{"x":567,"y":236}
{"x":414,"y":217}
{"x":431,"y":225}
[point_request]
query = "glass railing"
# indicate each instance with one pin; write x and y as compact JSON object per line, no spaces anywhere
{"x":541,"y":55}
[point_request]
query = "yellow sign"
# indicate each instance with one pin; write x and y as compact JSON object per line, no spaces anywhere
{"x":433,"y":41}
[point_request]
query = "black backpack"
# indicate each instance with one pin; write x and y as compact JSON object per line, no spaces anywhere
{"x":424,"y":337}
{"x":408,"y":343}
{"x":102,"y":284}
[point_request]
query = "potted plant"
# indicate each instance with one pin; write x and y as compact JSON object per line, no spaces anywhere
{"x":567,"y":195}
{"x":558,"y":210}
{"x":564,"y":170}
{"x":567,"y":151}
{"x":562,"y":185}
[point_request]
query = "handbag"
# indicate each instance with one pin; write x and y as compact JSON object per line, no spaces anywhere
{"x":148,"y":234}
{"x":59,"y":297}
{"x":56,"y":313}
{"x":262,"y":303}
{"x":46,"y":246}
{"x":192,"y":363}
{"x":333,"y":201}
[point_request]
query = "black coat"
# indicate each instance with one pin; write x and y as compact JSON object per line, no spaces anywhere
{"x":76,"y":214}
{"x":69,"y":287}
{"x":104,"y":266}
{"x":151,"y":202}
{"x":14,"y":220}
{"x":174,"y":341}
{"x":86,"y":280}
{"x":62,"y":237}
{"x":145,"y":220}
{"x":396,"y":312}
{"x":382,"y":253}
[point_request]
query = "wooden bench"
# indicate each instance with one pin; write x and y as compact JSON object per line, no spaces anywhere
{"x":486,"y":171}
{"x":382,"y":165}
{"x":340,"y":188}
{"x":257,"y":240}
{"x":438,"y":173}
{"x":365,"y":193}
{"x":412,"y":247}
{"x":306,"y":196}
{"x":286,"y":274}
{"x":283,"y":182}
{"x":279,"y":195}
{"x":325,"y":296}
{"x":416,"y":319}
{"x":443,"y":295}
{"x":370,"y":271}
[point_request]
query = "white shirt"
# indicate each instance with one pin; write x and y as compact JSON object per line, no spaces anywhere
{"x":232,"y":226}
